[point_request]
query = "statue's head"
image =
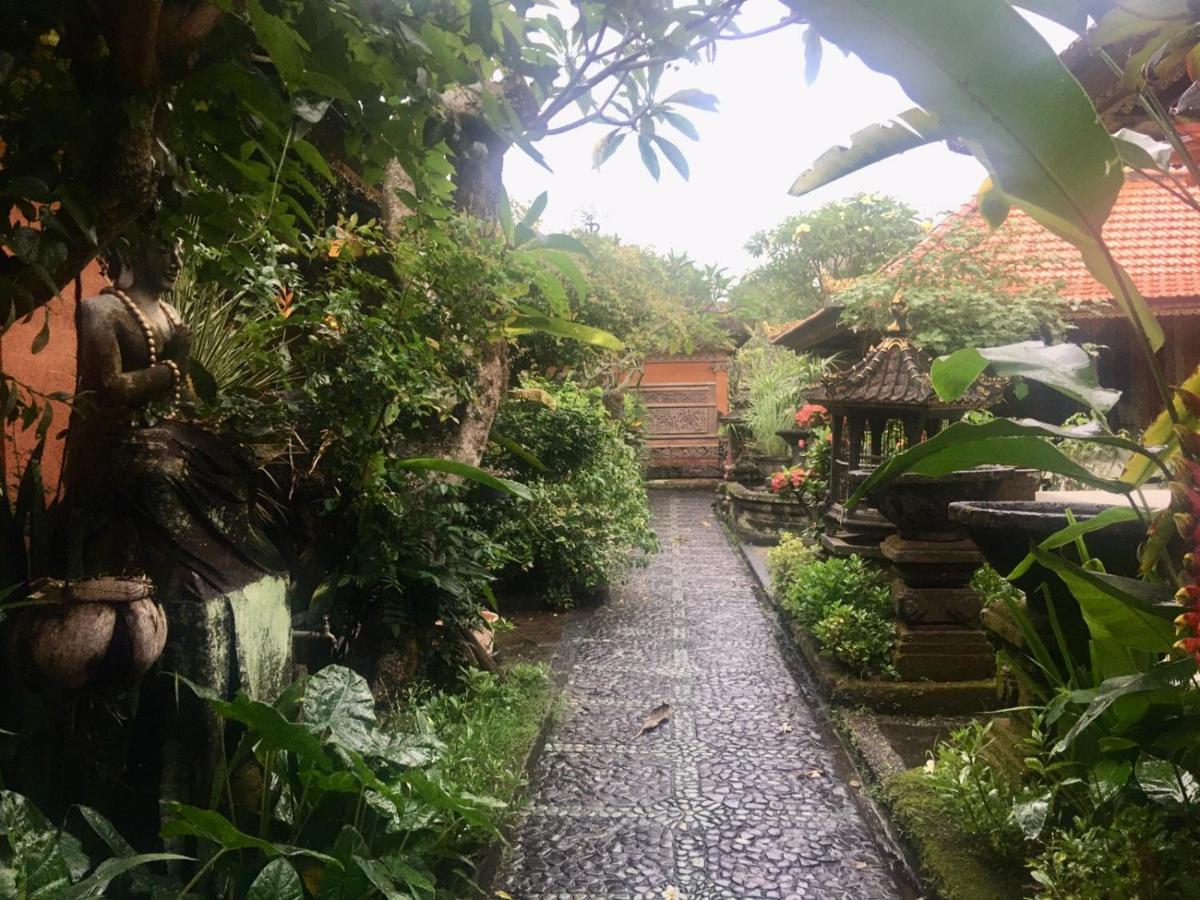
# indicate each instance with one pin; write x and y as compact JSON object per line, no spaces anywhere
{"x":149,"y":262}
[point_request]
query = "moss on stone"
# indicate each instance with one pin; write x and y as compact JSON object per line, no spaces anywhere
{"x":954,"y":868}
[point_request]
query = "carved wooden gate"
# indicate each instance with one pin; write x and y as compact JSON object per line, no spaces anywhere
{"x":684,"y":396}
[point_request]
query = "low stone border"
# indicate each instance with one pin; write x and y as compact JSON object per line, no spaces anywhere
{"x":842,"y":688}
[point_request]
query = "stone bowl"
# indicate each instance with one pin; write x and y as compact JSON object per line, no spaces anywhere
{"x":105,"y":632}
{"x":919,"y":505}
{"x":1003,"y":530}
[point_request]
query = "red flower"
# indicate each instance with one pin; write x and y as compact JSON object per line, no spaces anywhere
{"x":810,"y":414}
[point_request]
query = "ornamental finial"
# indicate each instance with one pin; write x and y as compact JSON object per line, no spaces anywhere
{"x":899,"y":307}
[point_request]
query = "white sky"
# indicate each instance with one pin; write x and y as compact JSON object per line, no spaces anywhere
{"x":770,"y":127}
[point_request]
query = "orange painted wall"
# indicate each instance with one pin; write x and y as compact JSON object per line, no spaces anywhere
{"x":691,"y":370}
{"x":53,"y":369}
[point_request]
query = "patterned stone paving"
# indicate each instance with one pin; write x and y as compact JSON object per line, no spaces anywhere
{"x":740,"y":795}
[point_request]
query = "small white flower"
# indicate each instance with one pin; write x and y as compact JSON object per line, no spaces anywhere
{"x":671,"y":893}
{"x":929,"y":766}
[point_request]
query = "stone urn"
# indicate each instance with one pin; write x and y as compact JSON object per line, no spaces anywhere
{"x":1003,"y":531}
{"x":102,"y":632}
{"x":919,"y":505}
{"x":939,"y":633}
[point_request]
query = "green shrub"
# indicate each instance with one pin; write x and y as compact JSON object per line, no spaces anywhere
{"x":786,"y":559}
{"x":843,"y":602}
{"x":816,"y":587}
{"x":1139,"y":855}
{"x":994,"y":587}
{"x":980,"y":793}
{"x":589,"y":513}
{"x":860,"y":639}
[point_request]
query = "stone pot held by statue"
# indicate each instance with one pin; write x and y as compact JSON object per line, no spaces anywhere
{"x":103,"y":632}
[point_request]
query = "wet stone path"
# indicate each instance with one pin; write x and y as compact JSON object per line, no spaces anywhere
{"x":741,"y":794}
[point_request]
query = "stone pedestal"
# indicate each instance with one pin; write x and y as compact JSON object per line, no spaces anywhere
{"x":855,"y":532}
{"x":939,"y":636}
{"x":240,"y":641}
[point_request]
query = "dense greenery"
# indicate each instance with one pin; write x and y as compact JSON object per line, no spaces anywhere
{"x":804,"y":254}
{"x":767,"y":385}
{"x":655,"y":304}
{"x":844,"y":603}
{"x":959,"y":294}
{"x":317,"y":792}
{"x":589,"y":505}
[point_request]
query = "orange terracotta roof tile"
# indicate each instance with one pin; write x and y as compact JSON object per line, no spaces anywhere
{"x":1153,"y":234}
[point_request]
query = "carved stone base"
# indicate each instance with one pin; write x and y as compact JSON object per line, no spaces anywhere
{"x":936,"y":606}
{"x":855,"y":532}
{"x":944,"y":564}
{"x":942,"y":653}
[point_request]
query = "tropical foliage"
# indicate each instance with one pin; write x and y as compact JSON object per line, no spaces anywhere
{"x":959,"y":294}
{"x":588,"y":507}
{"x":654,"y":304}
{"x":843,"y":603}
{"x":1113,"y":767}
{"x":804,"y":254}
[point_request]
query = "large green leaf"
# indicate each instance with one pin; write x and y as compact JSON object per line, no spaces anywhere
{"x":339,"y":707}
{"x":96,"y":884}
{"x":563,"y":328}
{"x":1111,"y":613}
{"x":1068,"y":13}
{"x":278,"y":880}
{"x":1175,"y":675}
{"x":268,"y":726}
{"x":1000,"y":442}
{"x":209,"y":825}
{"x":1067,"y":368}
{"x":992,"y":80}
{"x":910,"y":129}
{"x":1161,"y":433}
{"x":1166,"y":783}
{"x":462,"y":470}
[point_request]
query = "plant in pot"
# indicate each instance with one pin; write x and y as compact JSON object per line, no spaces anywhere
{"x":773,"y":395}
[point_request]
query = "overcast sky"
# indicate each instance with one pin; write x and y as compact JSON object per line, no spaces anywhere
{"x":769,"y":128}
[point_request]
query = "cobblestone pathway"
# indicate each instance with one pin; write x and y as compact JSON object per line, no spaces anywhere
{"x":741,"y":794}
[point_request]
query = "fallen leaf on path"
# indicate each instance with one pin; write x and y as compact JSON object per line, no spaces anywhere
{"x":815,"y":773}
{"x":855,"y":783}
{"x":785,"y":728}
{"x":655,"y":718}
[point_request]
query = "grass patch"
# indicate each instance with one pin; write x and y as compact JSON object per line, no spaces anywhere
{"x":488,"y":728}
{"x":956,"y":868}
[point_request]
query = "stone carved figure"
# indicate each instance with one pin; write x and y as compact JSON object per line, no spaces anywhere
{"x":149,"y":492}
{"x":145,"y":489}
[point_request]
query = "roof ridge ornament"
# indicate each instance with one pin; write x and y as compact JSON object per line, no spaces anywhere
{"x":899,"y":308}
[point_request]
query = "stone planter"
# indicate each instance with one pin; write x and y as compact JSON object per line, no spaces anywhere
{"x":769,"y":465}
{"x":939,"y":635}
{"x":759,"y":517}
{"x":918,"y":505}
{"x":1004,"y":530}
{"x":104,"y":632}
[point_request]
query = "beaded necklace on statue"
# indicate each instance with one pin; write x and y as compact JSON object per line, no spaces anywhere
{"x":148,"y":332}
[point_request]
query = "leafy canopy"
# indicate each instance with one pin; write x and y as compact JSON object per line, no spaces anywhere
{"x":800,"y":255}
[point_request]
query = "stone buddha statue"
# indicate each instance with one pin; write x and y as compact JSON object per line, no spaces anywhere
{"x":150,"y":490}
{"x":147,"y":490}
